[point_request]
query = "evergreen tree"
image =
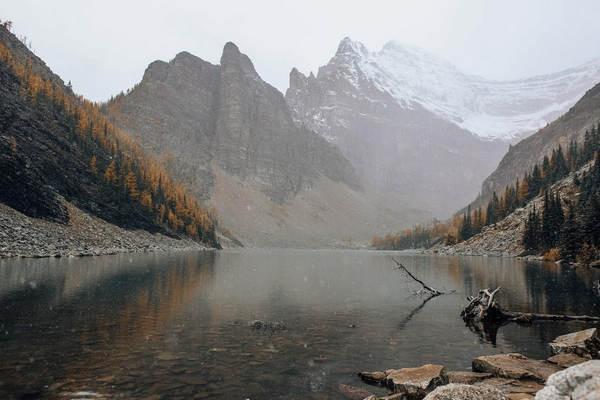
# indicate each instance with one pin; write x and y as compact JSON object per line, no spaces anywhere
{"x":570,"y":240}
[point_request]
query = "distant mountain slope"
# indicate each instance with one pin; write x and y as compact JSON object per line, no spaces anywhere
{"x":57,"y":148}
{"x":396,"y":147}
{"x":488,"y":108}
{"x":230,"y":136}
{"x":525,"y":154}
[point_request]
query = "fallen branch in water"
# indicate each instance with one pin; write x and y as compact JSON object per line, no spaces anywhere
{"x":432,"y":291}
{"x":484,"y":309}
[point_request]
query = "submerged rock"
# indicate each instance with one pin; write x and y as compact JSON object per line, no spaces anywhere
{"x":454,"y":391}
{"x":271,"y":326}
{"x":373,"y":378}
{"x":583,"y":343}
{"x":580,"y":382}
{"x":416,"y":383}
{"x":353,"y":393}
{"x":514,"y":366}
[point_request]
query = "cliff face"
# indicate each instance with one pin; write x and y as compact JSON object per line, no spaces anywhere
{"x":226,"y":116}
{"x":530,"y":151}
{"x":396,"y":147}
{"x":230,"y":136}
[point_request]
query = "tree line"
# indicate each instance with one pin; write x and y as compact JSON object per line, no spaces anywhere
{"x":115,"y":159}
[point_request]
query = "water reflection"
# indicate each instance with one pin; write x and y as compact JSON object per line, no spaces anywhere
{"x":175,"y":325}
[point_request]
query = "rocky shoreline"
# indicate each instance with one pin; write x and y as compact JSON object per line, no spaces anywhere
{"x":84,"y":235}
{"x":572,"y":372}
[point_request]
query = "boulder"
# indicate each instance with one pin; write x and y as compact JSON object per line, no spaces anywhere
{"x":583,"y":343}
{"x":580,"y":382}
{"x":514,"y":366}
{"x":467,"y":377}
{"x":454,"y":391}
{"x":416,"y":383}
{"x":566,"y":360}
{"x":373,"y":378}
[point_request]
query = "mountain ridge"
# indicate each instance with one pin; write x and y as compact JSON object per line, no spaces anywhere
{"x":495,"y":109}
{"x":230,"y":136}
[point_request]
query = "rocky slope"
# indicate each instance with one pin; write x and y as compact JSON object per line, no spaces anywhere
{"x":230,"y":136}
{"x":525,"y":154}
{"x":83,"y":235}
{"x":396,"y":146}
{"x":505,"y":237}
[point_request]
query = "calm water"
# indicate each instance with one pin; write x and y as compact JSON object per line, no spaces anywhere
{"x":175,"y":325}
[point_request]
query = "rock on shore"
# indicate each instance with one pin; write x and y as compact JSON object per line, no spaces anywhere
{"x":84,"y":235}
{"x":503,"y":376}
{"x":580,"y":382}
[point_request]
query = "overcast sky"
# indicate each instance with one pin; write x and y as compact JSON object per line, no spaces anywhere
{"x":104,"y":46}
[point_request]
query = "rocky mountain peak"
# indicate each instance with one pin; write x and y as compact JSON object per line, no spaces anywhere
{"x":349,"y":47}
{"x":233,"y":58}
{"x":156,"y":71}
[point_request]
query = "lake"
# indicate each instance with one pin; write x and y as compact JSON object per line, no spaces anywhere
{"x":175,"y":326}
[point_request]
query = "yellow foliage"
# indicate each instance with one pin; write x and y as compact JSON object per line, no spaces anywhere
{"x":166,"y":198}
{"x":552,"y":255}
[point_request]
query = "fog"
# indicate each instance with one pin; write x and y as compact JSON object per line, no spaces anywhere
{"x":103,"y":47}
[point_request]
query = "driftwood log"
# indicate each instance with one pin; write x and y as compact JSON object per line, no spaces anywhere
{"x":425,"y":288}
{"x":485,"y":316}
{"x":484,"y":308}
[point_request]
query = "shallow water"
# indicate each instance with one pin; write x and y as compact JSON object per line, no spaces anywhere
{"x":176,"y":325}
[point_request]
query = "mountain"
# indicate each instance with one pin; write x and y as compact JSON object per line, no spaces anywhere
{"x":230,"y":136}
{"x":396,"y":147}
{"x":525,"y":154}
{"x":488,"y":108}
{"x":62,"y":161}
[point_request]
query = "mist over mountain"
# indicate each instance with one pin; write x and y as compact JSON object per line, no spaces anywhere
{"x":230,"y":137}
{"x":395,"y":148}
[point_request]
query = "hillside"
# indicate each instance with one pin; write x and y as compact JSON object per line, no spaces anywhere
{"x":230,"y":137}
{"x":58,"y":153}
{"x":553,"y":211}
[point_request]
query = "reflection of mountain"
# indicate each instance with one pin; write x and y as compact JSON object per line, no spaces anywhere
{"x":113,"y":305}
{"x":176,"y":324}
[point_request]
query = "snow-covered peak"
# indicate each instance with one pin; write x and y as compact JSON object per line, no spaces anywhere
{"x":488,"y":108}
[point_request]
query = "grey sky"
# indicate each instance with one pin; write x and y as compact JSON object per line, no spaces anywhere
{"x":104,"y":46}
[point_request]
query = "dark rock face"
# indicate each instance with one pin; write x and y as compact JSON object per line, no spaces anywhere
{"x":225,"y":115}
{"x":530,"y":151}
{"x":393,"y":148}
